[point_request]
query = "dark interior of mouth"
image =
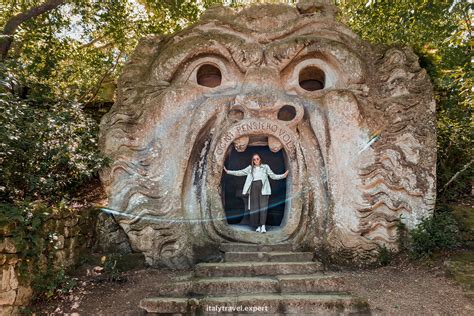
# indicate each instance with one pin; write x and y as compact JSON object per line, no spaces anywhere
{"x":232,"y":185}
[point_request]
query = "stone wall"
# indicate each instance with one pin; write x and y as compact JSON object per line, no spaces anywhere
{"x":70,"y":235}
{"x":12,"y":293}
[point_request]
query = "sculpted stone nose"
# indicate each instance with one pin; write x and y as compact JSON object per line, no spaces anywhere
{"x":262,"y":96}
{"x":260,"y":90}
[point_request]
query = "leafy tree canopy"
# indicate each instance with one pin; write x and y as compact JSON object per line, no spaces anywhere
{"x":440,"y":32}
{"x":69,"y":53}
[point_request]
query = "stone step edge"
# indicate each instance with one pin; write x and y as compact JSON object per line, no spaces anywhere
{"x":244,"y":247}
{"x":185,"y":305}
{"x":277,"y":277}
{"x":254,"y":263}
{"x":280,"y":283}
{"x":236,"y":243}
{"x":254,"y":268}
{"x":270,"y":252}
{"x":279,"y":256}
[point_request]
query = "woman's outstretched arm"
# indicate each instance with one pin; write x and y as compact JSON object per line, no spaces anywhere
{"x":242,"y":172}
{"x":275,"y":176}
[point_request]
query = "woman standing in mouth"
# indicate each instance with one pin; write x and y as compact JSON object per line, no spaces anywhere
{"x":258,"y":189}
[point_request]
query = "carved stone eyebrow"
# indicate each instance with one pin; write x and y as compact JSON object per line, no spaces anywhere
{"x":243,"y":49}
{"x":282,"y":53}
{"x":178,"y":52}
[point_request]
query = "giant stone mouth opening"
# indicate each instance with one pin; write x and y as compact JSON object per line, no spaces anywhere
{"x":235,"y":208}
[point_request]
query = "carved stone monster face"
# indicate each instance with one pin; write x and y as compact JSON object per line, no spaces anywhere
{"x":355,"y":125}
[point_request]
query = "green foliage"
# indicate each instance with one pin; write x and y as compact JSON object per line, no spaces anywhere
{"x":25,"y":221}
{"x":464,"y":216}
{"x":385,"y":255}
{"x":46,"y":151}
{"x":36,"y":245}
{"x":50,"y":283}
{"x":439,"y":232}
{"x":440,"y":33}
{"x":71,"y":52}
{"x":111,"y":267}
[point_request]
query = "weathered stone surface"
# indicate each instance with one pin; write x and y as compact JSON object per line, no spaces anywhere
{"x":165,"y":305}
{"x":256,"y":268}
{"x":11,"y":259}
{"x":7,"y":245}
{"x":360,"y":143}
{"x":268,"y":256}
{"x":71,"y":221}
{"x":218,"y":286}
{"x":305,"y":293}
{"x":9,"y":310}
{"x":6,"y":230}
{"x":110,"y":237}
{"x":311,"y":283}
{"x":23,"y":295}
{"x":63,"y":232}
{"x":9,"y":278}
{"x":7,"y":298}
{"x":241,"y":247}
{"x":273,"y":304}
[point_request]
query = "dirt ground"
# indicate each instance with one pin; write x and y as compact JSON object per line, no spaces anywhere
{"x":409,"y":289}
{"x":402,"y":288}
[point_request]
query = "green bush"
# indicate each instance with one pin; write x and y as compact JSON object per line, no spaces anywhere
{"x":51,"y":282}
{"x":36,"y":245}
{"x":111,"y":269}
{"x":46,"y":151}
{"x":439,"y":232}
{"x":24,"y":222}
{"x":385,"y":255}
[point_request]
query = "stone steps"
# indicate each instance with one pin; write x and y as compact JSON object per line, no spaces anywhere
{"x":241,"y":247}
{"x":251,"y":268}
{"x":318,"y":283}
{"x":280,"y":256}
{"x":273,"y":304}
{"x":256,"y":278}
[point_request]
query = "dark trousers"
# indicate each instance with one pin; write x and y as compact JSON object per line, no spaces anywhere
{"x":258,"y":204}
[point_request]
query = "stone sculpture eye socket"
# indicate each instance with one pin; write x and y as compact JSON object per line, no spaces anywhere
{"x":311,"y":78}
{"x":209,"y":76}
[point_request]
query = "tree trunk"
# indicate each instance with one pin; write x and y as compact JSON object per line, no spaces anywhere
{"x":12,"y":24}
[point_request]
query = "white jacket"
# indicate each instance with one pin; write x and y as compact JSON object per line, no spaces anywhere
{"x":266,"y":189}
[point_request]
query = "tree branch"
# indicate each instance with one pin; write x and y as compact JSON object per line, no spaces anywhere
{"x":14,"y":22}
{"x":466,"y":166}
{"x":96,"y":89}
{"x":92,"y":42}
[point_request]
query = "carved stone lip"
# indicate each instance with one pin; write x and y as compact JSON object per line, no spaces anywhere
{"x":256,"y":130}
{"x":253,"y":128}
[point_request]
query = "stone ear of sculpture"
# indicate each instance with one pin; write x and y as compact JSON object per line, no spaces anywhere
{"x":396,"y":173}
{"x":355,"y":125}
